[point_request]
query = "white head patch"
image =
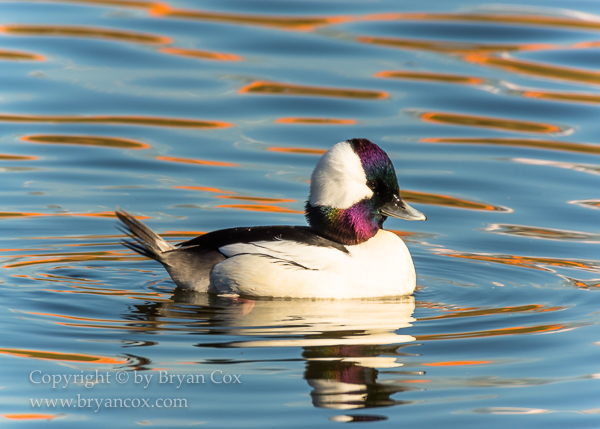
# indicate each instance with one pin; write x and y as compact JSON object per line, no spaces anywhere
{"x":339,"y":179}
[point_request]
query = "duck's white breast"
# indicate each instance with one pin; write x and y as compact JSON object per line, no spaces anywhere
{"x":381,"y":266}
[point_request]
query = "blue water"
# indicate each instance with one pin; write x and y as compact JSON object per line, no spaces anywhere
{"x":199,"y":115}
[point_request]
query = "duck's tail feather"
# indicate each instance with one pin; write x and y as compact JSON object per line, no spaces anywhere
{"x":146,"y":242}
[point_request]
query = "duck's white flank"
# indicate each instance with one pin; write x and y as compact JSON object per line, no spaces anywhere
{"x":339,"y":179}
{"x":381,"y":266}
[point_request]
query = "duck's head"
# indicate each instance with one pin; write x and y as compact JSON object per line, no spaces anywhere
{"x":353,"y":190}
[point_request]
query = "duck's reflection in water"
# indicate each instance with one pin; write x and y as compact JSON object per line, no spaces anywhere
{"x":345,"y":343}
{"x":345,"y":377}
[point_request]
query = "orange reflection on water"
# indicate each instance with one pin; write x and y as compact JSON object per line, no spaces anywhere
{"x":583,"y":284}
{"x":88,"y":32}
{"x":204,"y":55}
{"x":529,"y":143}
{"x":106,"y":291}
{"x":573,"y":97}
{"x":459,"y":363}
{"x":127,"y":327}
{"x":103,"y":291}
{"x":402,"y":234}
{"x":536,"y":263}
{"x":30,"y":214}
{"x":30,"y":416}
{"x":63,"y":258}
{"x":57,"y":356}
{"x":297,"y":150}
{"x":20,"y":56}
{"x":256,"y":199}
{"x":151,"y":121}
{"x":429,"y":76}
{"x":20,"y":214}
{"x":533,"y":308}
{"x":111,"y":142}
{"x":136,"y":4}
{"x":290,"y":23}
{"x":197,"y":161}
{"x":517,"y":330}
{"x":182,"y":233}
{"x":87,"y":319}
{"x":493,"y":18}
{"x":203,"y":189}
{"x":450,"y":47}
{"x":487,"y":122}
{"x":448,"y":201}
{"x":315,"y":121}
{"x":60,"y":279}
{"x":263,"y":87}
{"x":536,"y":69}
{"x":132,"y":325}
{"x":259,"y":208}
{"x":17,"y":158}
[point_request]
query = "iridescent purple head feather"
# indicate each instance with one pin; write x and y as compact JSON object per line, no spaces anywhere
{"x":350,"y":188}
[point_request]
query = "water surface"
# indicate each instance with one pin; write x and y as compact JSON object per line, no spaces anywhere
{"x":199,"y":115}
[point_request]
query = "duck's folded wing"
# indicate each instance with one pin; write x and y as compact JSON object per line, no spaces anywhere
{"x":279,"y":268}
{"x":286,"y":253}
{"x":301,"y":235}
{"x":272,"y":261}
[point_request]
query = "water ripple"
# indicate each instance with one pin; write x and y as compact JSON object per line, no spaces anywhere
{"x":86,"y":32}
{"x":276,"y":88}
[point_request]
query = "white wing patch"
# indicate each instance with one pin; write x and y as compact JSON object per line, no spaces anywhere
{"x":298,"y":254}
{"x":339,"y":179}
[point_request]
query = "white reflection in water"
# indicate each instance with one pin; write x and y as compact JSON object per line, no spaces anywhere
{"x":582,"y":168}
{"x":343,"y":342}
{"x":309,"y":323}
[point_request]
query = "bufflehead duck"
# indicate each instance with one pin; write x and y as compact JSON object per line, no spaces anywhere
{"x":343,"y":253}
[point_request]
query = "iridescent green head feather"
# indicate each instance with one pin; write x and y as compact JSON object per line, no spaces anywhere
{"x":353,"y":190}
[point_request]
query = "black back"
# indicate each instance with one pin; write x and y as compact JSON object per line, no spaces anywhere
{"x":300,"y":234}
